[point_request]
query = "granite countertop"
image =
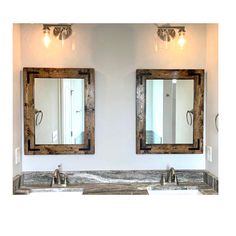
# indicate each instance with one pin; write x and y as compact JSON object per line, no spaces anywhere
{"x":118,"y":189}
{"x":113,"y":182}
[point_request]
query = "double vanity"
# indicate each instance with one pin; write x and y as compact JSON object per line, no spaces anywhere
{"x":132,"y":182}
{"x":169,"y":120}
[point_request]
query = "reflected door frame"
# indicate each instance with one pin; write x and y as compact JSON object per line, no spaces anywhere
{"x":72,"y":112}
{"x":29,"y":76}
{"x":197,"y":75}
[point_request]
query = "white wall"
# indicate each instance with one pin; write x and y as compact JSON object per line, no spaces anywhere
{"x":212,"y":95}
{"x":16,"y":98}
{"x":115,"y":51}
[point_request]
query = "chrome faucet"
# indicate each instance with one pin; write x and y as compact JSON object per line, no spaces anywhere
{"x":58,"y":179}
{"x":171,"y":177}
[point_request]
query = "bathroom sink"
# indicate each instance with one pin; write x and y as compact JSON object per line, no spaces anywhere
{"x":70,"y":190}
{"x":173,"y":192}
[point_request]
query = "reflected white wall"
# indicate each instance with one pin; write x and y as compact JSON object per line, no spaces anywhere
{"x":184,"y":103}
{"x":158,"y":108}
{"x":47,"y":92}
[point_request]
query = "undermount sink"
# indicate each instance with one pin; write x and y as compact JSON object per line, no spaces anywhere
{"x":173,"y":191}
{"x":69,"y":190}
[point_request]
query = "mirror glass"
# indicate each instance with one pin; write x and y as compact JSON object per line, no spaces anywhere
{"x":169,"y":111}
{"x":59,"y":110}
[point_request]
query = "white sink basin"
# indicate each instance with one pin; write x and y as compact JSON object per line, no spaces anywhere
{"x":174,"y":192}
{"x":44,"y":191}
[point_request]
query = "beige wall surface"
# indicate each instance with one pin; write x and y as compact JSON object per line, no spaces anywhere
{"x":212,"y":95}
{"x":16,"y":99}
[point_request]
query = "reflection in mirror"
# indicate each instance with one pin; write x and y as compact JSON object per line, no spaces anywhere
{"x":167,"y":103}
{"x":59,"y":111}
{"x":169,"y":111}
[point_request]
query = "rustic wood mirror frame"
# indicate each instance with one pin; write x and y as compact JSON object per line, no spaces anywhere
{"x":29,"y":75}
{"x":144,"y":74}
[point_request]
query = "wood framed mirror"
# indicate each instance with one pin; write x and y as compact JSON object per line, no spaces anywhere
{"x":169,"y":111}
{"x":59,"y":111}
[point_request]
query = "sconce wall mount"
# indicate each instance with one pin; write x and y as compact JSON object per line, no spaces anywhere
{"x":60,"y":31}
{"x":168,"y":33}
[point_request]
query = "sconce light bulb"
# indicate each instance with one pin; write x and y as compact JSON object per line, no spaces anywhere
{"x":181,"y":40}
{"x":46,"y":38}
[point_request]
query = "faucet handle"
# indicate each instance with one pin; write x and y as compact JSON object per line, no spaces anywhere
{"x":63,"y":178}
{"x":52,"y":181}
{"x":163,"y":181}
{"x":168,"y":178}
{"x":176,"y":180}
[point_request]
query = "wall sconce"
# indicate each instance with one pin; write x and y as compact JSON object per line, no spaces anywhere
{"x":60,"y":31}
{"x":168,"y":33}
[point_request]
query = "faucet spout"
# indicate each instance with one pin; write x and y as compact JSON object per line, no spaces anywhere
{"x":171,"y":176}
{"x":56,"y":176}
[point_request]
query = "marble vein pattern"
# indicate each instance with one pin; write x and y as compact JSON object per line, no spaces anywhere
{"x":211,"y":180}
{"x":130,"y":176}
{"x":118,"y":182}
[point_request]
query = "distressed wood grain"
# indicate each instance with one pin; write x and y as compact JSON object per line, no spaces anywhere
{"x":144,"y":74}
{"x":29,"y":75}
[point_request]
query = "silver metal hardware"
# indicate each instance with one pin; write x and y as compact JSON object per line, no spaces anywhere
{"x":170,"y":178}
{"x":38,"y":117}
{"x":59,"y":179}
{"x":189,"y":117}
{"x":163,"y":180}
{"x":60,"y":31}
{"x":167,"y":32}
{"x":216,"y":121}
